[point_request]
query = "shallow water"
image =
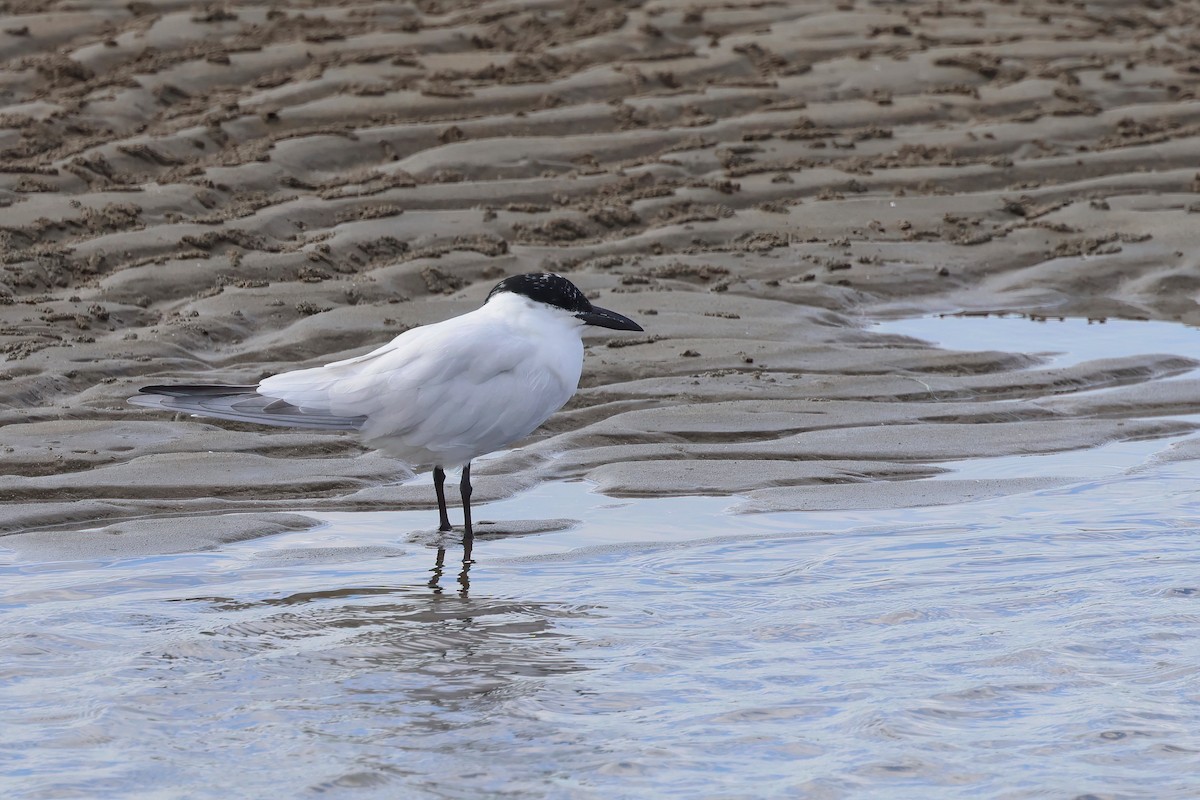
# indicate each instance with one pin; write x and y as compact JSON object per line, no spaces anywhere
{"x":1037,"y":645}
{"x":1063,"y":341}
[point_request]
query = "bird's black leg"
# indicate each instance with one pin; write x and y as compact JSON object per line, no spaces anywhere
{"x":439,"y":478}
{"x":465,"y":489}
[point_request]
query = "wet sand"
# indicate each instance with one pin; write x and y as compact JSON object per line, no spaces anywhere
{"x":221,"y":194}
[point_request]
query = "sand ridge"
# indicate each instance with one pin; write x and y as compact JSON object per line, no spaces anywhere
{"x":220,"y":193}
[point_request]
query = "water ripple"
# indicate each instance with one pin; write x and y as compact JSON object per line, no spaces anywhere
{"x":1040,"y":645}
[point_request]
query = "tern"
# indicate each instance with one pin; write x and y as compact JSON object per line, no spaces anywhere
{"x":435,"y":396}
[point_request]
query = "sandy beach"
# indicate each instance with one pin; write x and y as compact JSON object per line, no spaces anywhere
{"x":220,"y":193}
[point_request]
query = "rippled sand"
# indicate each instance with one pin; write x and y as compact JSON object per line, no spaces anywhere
{"x":219,"y":194}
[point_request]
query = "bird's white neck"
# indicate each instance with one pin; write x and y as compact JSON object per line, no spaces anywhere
{"x":523,"y":313}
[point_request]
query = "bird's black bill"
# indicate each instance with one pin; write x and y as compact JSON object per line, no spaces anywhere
{"x":603,"y":318}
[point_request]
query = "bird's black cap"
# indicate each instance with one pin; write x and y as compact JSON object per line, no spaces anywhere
{"x":545,"y":287}
{"x":555,"y":290}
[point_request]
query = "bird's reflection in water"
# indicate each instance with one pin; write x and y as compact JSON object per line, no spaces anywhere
{"x":383,"y":634}
{"x":464,"y":575}
{"x":490,"y":530}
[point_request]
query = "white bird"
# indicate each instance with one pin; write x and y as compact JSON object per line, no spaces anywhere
{"x":438,"y":395}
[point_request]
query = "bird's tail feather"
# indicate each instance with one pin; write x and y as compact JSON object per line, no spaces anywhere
{"x":240,"y":404}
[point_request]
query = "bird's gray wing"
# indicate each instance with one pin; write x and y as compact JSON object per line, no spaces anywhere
{"x":450,"y":397}
{"x":464,"y":384}
{"x":241,"y":404}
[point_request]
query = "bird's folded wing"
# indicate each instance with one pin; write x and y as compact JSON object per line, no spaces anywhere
{"x":431,"y":386}
{"x":418,"y":362}
{"x":241,"y":404}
